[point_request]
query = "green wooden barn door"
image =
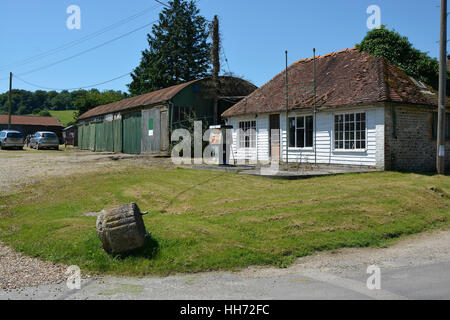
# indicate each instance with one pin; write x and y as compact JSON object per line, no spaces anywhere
{"x":132,"y":133}
{"x":91,"y":137}
{"x":100,"y":136}
{"x":117,"y":129}
{"x":109,"y":136}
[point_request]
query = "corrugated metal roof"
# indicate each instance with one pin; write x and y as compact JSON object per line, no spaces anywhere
{"x":346,"y":77}
{"x":138,"y":101}
{"x":31,"y":120}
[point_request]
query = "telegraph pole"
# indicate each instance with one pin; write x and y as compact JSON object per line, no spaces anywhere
{"x":287,"y":111}
{"x":315,"y":108}
{"x":216,"y":66}
{"x":10,"y":103}
{"x":440,"y":157}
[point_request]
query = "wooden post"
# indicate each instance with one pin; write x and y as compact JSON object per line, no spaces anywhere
{"x":440,"y":157}
{"x":216,"y":67}
{"x":287,"y":112}
{"x":10,"y":100}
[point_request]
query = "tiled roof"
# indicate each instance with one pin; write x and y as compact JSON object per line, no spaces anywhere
{"x":138,"y":101}
{"x":344,"y":78}
{"x":30,"y":120}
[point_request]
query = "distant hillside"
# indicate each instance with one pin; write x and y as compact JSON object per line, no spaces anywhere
{"x":65,"y":117}
{"x":25,"y":102}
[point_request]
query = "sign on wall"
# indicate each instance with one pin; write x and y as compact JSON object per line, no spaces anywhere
{"x":150,"y":127}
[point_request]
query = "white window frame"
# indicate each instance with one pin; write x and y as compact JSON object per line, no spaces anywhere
{"x":242,"y":134}
{"x":354,"y":131}
{"x":304,"y":137}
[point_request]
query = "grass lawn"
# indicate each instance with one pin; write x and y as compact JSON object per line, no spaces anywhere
{"x":204,"y":220}
{"x":64,"y":116}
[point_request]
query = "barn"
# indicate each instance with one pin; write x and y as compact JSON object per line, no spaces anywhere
{"x":366,"y":112}
{"x":142,"y":124}
{"x":30,"y":124}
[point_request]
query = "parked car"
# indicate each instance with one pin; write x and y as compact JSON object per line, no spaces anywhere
{"x":44,"y":139}
{"x":11,"y":139}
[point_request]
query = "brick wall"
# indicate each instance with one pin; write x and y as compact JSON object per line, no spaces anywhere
{"x":413,"y":147}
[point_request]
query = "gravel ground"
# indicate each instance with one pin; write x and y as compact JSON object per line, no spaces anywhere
{"x":18,"y":271}
{"x":22,"y":168}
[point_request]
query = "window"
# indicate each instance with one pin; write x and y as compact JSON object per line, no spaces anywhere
{"x":181,"y":114}
{"x":301,"y":132}
{"x":16,"y":135}
{"x":247,"y":134}
{"x":435,"y":125}
{"x":350,"y":131}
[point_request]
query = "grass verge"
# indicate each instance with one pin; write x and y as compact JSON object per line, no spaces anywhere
{"x":204,"y":220}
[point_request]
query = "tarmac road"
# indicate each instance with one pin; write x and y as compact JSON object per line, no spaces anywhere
{"x":417,"y":267}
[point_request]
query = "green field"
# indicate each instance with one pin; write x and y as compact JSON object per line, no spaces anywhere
{"x":64,"y":117}
{"x":205,"y":220}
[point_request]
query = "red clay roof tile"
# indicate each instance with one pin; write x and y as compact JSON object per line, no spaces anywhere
{"x":31,"y":120}
{"x":346,"y":77}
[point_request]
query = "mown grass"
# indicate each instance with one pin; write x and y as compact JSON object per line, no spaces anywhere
{"x":204,"y":220}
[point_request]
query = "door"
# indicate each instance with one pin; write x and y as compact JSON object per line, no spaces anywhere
{"x":131,"y":133}
{"x":117,"y":135}
{"x":274,"y":136}
{"x":164,"y":131}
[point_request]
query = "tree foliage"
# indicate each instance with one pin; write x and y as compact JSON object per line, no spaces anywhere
{"x":37,"y":102}
{"x":178,"y":49}
{"x":94,"y":98}
{"x":398,"y":50}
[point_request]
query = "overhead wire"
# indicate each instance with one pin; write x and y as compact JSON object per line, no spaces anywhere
{"x":74,"y":88}
{"x":87,"y":50}
{"x":78,"y":41}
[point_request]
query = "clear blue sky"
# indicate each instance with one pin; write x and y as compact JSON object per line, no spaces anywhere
{"x":255,"y":35}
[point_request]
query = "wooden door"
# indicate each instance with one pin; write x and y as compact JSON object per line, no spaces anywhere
{"x":274,"y":135}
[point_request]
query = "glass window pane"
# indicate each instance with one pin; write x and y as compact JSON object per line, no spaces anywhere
{"x":300,"y":138}
{"x":291,"y":132}
{"x":300,"y":122}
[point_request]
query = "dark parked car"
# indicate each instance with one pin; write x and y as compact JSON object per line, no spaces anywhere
{"x":44,"y":139}
{"x":11,"y":139}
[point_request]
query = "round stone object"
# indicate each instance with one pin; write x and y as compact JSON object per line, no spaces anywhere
{"x":121,"y":228}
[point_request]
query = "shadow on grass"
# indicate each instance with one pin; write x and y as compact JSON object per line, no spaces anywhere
{"x":148,"y":251}
{"x":422,"y":173}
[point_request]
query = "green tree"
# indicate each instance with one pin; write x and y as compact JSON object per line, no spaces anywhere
{"x":178,"y":49}
{"x":398,"y":50}
{"x":87,"y":100}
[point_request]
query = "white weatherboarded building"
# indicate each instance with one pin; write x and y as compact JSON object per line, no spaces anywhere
{"x":369,"y":113}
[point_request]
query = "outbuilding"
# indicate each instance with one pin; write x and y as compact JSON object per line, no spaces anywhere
{"x":31,"y":124}
{"x":366,"y":112}
{"x":142,"y":124}
{"x":70,"y":135}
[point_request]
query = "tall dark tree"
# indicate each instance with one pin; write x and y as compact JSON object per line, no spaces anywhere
{"x":178,"y":51}
{"x":398,"y":50}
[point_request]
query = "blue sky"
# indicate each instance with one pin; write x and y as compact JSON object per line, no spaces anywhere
{"x":255,"y":35}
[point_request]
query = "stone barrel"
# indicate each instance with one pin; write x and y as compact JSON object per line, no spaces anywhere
{"x":121,"y":228}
